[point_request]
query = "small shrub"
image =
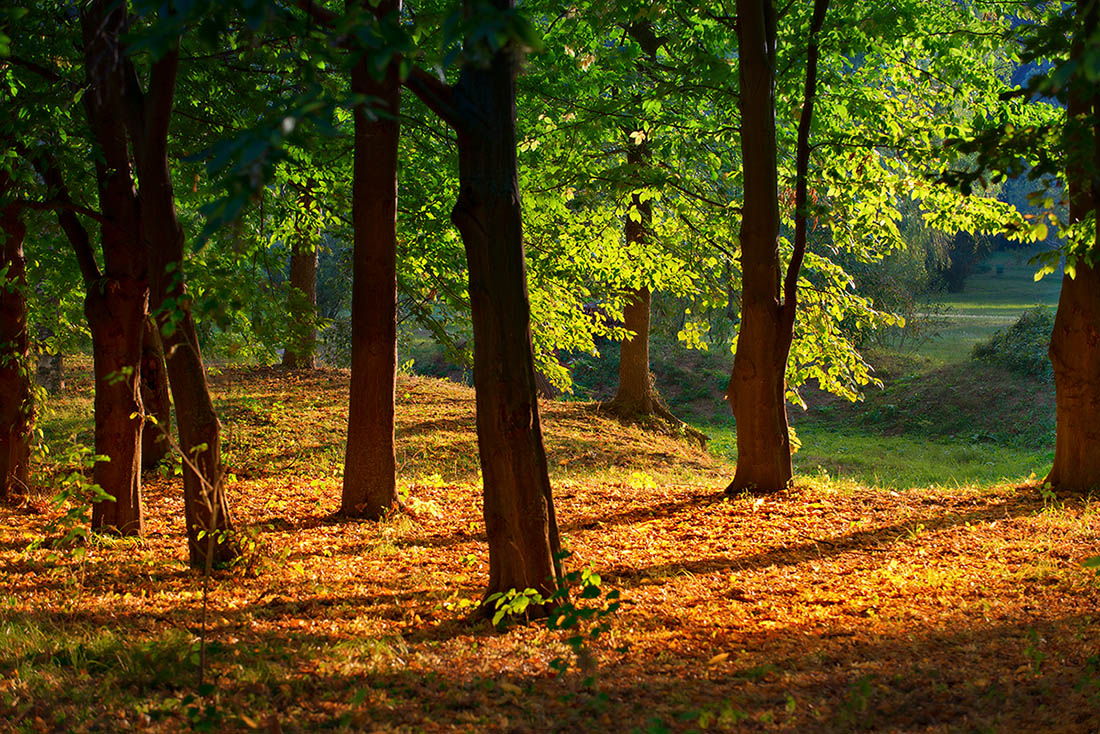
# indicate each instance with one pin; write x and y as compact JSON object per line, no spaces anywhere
{"x":1023,"y":346}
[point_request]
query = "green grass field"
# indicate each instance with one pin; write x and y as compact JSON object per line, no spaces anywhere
{"x":993,"y":298}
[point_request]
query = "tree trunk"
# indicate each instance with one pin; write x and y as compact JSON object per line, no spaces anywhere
{"x":758,"y":383}
{"x":115,"y":304}
{"x":206,"y":510}
{"x":300,"y":352}
{"x":205,"y":505}
{"x":50,"y":368}
{"x":154,"y":396}
{"x":16,"y":407}
{"x":116,"y":318}
{"x":370,"y":484}
{"x":635,"y":395}
{"x":519,"y":509}
{"x":1075,"y":341}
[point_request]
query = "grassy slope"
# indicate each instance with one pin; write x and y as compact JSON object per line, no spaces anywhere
{"x":831,"y":607}
{"x":940,"y":419}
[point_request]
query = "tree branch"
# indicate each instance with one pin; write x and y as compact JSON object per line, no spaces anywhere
{"x":47,"y":74}
{"x":435,"y":93}
{"x":58,"y":199}
{"x":802,"y":163}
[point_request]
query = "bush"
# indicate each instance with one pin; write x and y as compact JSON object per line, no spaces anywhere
{"x":1023,"y":346}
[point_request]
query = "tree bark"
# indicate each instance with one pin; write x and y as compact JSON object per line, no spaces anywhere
{"x":154,"y":396}
{"x":115,"y":304}
{"x":300,"y":352}
{"x":635,"y":393}
{"x":758,"y":382}
{"x":206,"y":509}
{"x":16,"y":405}
{"x":519,"y":510}
{"x":1075,"y":341}
{"x":757,"y":387}
{"x":370,"y":469}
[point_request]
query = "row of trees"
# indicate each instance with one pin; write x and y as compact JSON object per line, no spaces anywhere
{"x":731,"y":156}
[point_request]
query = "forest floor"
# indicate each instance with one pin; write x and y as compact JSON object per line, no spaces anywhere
{"x":829,"y":607}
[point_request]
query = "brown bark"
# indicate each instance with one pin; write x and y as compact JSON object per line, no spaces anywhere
{"x":154,"y":396}
{"x":757,"y":387}
{"x":635,"y":395}
{"x":115,"y":303}
{"x":1075,"y":341}
{"x":370,"y":470}
{"x":147,"y":121}
{"x":519,"y":510}
{"x":300,"y":352}
{"x":16,"y":406}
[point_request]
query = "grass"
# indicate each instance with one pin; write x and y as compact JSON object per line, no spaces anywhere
{"x":900,"y":462}
{"x":994,"y":297}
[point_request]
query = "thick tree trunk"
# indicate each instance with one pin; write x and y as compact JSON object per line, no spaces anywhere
{"x":757,"y":385}
{"x":115,"y":304}
{"x":519,"y":510}
{"x":1075,"y":342}
{"x":370,"y":470}
{"x":16,"y":408}
{"x":300,"y":352}
{"x":154,"y":396}
{"x":116,"y":318}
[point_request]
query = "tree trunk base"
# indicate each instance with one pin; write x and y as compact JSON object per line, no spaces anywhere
{"x":658,"y":418}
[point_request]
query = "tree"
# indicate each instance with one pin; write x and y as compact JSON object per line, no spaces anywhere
{"x":300,"y":351}
{"x":636,"y":394}
{"x":147,"y":120}
{"x":1075,"y":342}
{"x":370,"y":472}
{"x":116,"y":302}
{"x":757,"y":388}
{"x":16,"y":406}
{"x":1059,"y":149}
{"x":480,"y":107}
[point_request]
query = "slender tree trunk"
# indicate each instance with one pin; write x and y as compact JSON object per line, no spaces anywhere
{"x":50,"y":367}
{"x":50,"y":370}
{"x":154,"y":396}
{"x":1075,"y":341}
{"x":115,"y":304}
{"x":370,"y":484}
{"x":300,"y":352}
{"x":16,"y":408}
{"x":519,"y":509}
{"x":205,"y":505}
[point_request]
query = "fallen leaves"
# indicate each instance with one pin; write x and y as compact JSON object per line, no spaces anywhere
{"x":811,"y":609}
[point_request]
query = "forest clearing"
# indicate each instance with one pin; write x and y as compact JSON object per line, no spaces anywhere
{"x":828,"y":607}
